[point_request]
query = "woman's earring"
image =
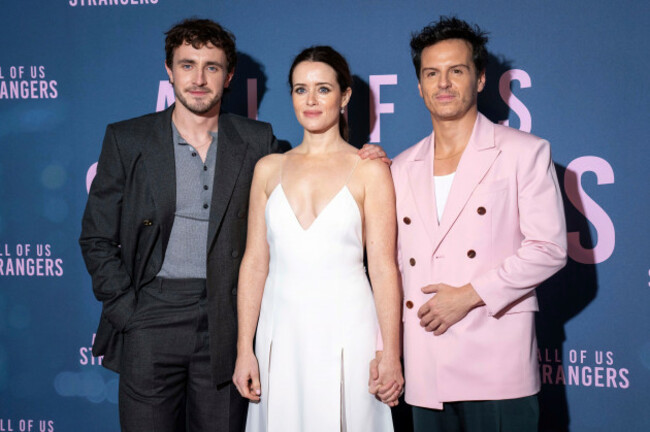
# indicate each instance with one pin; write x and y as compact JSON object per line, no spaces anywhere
{"x":342,"y":110}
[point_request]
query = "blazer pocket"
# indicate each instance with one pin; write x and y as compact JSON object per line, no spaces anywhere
{"x":492,"y":187}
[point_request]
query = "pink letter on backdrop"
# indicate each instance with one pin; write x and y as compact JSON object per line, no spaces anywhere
{"x":375,"y":83}
{"x":525,"y":122}
{"x":165,"y":95}
{"x":588,"y":207}
{"x":251,"y":87}
{"x":90,"y":176}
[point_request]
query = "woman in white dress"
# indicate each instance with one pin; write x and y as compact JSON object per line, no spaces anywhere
{"x":303,"y":295}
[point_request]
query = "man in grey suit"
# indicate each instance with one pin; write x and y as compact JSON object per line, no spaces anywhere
{"x":163,"y":235}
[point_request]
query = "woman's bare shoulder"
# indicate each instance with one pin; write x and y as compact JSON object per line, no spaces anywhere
{"x":269,"y":164}
{"x":373,"y":169}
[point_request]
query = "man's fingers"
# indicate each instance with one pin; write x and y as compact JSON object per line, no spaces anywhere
{"x":429,"y":289}
{"x":440,"y":329}
{"x":431,"y":325}
{"x":428,"y":318}
{"x":386,"y":390}
{"x":424,"y":309}
{"x":391,"y":397}
{"x":373,"y":151}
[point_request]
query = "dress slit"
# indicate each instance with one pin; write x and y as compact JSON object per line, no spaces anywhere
{"x":344,"y":426}
{"x":268,"y":384}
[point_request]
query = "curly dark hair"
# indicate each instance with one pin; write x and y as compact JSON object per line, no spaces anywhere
{"x":199,"y":32}
{"x":450,"y":28}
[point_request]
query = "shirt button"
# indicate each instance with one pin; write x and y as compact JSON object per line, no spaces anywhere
{"x":194,"y":154}
{"x":471,"y":253}
{"x":234,"y":254}
{"x":481,"y":211}
{"x":205,"y":206}
{"x":407,"y":220}
{"x":412,"y":262}
{"x":205,"y":168}
{"x":205,"y":187}
{"x":409,"y":304}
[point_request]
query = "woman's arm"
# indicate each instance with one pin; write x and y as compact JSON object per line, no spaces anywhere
{"x":381,"y":232}
{"x":252,"y":276}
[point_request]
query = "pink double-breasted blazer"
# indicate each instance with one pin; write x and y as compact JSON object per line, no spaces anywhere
{"x":503,"y":231}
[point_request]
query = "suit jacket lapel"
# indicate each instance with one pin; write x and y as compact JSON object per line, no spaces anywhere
{"x":478,"y":157}
{"x":158,"y":154}
{"x":231,"y":149}
{"x":420,"y":175}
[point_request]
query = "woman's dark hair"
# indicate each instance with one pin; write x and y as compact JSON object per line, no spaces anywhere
{"x":198,"y":33}
{"x":450,"y":28}
{"x":329,"y":56}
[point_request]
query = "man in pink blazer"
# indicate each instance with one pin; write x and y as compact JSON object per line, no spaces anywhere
{"x":481,"y":224}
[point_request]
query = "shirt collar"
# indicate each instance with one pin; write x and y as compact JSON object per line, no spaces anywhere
{"x":178,"y":138}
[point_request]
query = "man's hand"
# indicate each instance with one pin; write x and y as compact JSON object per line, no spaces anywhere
{"x":385,"y":379}
{"x":447,"y":307}
{"x":247,"y":377}
{"x":373,"y":151}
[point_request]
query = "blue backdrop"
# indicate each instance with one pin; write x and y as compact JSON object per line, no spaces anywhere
{"x":574,"y":72}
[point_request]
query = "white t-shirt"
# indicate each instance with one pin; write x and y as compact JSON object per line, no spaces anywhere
{"x":443,"y":186}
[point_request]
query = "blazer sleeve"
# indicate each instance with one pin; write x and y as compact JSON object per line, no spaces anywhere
{"x":100,"y":236}
{"x":542,"y":224}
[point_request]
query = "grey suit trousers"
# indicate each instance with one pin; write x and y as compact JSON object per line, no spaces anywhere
{"x":165,"y":378}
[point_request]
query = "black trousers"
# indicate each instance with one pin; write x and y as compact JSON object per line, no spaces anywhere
{"x":165,"y":379}
{"x":509,"y":415}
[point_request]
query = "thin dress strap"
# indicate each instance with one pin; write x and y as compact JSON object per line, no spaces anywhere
{"x":284,"y":160}
{"x":351,"y":172}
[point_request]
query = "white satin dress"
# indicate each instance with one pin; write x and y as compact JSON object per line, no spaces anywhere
{"x":317,"y":329}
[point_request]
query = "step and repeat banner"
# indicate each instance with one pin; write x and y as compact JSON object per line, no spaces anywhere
{"x":574,"y":72}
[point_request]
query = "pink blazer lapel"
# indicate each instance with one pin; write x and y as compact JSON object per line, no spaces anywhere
{"x":478,"y":157}
{"x":420,"y":175}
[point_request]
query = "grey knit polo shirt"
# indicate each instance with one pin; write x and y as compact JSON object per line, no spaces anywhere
{"x":186,"y":254}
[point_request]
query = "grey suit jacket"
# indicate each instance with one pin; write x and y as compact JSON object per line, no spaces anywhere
{"x":129,"y":216}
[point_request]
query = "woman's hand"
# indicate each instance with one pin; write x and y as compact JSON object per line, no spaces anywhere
{"x":247,"y":376}
{"x":386,"y":381}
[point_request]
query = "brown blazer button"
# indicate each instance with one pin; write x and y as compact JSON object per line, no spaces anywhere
{"x":409,"y":304}
{"x":147,"y":222}
{"x":412,"y":262}
{"x":481,"y":210}
{"x":471,"y":253}
{"x":407,"y":220}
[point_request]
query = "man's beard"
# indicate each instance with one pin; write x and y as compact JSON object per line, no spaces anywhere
{"x":198,"y":108}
